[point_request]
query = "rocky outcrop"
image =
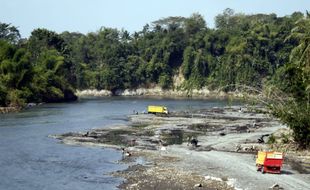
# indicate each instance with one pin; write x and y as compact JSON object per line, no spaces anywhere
{"x":93,"y":92}
{"x":158,"y":91}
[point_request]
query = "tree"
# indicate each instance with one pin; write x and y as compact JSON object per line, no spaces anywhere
{"x":224,"y":20}
{"x":43,"y":39}
{"x":3,"y":94}
{"x":9,"y":33}
{"x":293,"y":108}
{"x":300,"y":56}
{"x":194,"y":24}
{"x":16,"y":73}
{"x":51,"y":86}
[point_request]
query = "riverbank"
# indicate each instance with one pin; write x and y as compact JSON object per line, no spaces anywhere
{"x":4,"y":110}
{"x":10,"y":109}
{"x":159,"y":92}
{"x":203,"y":93}
{"x":227,"y":143}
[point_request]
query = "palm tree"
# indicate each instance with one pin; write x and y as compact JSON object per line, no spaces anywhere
{"x":300,"y":55}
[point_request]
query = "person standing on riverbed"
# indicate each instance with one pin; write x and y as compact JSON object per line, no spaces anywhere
{"x":162,"y":146}
{"x":193,"y":141}
{"x":125,"y":152}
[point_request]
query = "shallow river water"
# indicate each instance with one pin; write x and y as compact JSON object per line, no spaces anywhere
{"x":30,"y":160}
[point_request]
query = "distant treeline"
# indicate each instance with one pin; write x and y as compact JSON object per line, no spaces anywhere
{"x":253,"y":50}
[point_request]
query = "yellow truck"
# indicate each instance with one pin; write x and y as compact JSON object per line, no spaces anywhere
{"x":157,"y":109}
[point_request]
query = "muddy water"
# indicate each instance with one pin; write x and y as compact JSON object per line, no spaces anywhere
{"x":30,"y":160}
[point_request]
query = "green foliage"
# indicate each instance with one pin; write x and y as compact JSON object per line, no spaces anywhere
{"x":293,"y":80}
{"x":296,"y":115}
{"x":28,"y":78}
{"x":242,"y":50}
{"x":9,"y":33}
{"x":188,"y":62}
{"x":14,"y":98}
{"x":271,"y":139}
{"x":165,"y":81}
{"x":3,"y":94}
{"x":42,"y":39}
{"x":194,"y":24}
{"x":285,"y":138}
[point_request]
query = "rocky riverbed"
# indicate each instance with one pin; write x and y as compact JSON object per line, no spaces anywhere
{"x":163,"y":152}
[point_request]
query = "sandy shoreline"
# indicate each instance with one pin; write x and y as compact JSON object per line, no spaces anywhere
{"x":214,"y":164}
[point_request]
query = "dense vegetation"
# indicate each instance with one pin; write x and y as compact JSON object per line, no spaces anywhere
{"x":242,"y":49}
{"x":260,"y":51}
{"x":33,"y":70}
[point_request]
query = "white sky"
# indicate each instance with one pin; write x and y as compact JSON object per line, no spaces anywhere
{"x":89,"y":15}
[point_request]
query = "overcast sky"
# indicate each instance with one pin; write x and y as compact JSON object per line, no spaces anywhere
{"x":89,"y":15}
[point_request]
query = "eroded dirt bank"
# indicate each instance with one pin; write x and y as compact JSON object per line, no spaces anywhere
{"x":161,"y":158}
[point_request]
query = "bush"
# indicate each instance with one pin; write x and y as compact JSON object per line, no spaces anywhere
{"x":14,"y":99}
{"x":295,"y":114}
{"x":285,"y":138}
{"x":165,"y":81}
{"x":271,"y":139}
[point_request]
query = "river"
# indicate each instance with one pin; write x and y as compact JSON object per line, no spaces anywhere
{"x":30,"y":160}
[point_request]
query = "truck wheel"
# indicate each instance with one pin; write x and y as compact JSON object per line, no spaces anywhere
{"x":262,"y":170}
{"x":258,"y":168}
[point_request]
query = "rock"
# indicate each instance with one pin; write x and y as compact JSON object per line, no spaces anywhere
{"x":275,"y":187}
{"x":261,"y":139}
{"x":222,"y":134}
{"x":198,"y":185}
{"x":157,"y":91}
{"x":246,"y":148}
{"x":29,"y":105}
{"x":98,"y":93}
{"x":213,"y":178}
{"x":238,"y":148}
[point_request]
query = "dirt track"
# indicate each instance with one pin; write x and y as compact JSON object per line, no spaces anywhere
{"x":237,"y":166}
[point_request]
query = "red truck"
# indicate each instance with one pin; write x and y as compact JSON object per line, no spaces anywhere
{"x":269,"y":162}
